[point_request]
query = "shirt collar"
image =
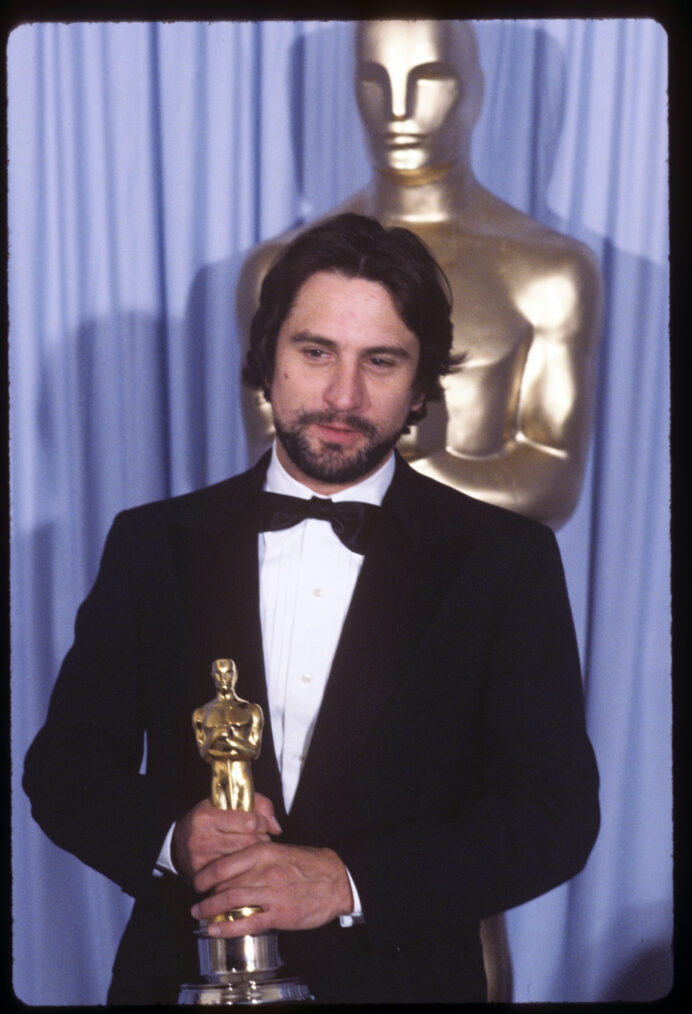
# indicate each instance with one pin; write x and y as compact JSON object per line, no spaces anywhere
{"x":369,"y":490}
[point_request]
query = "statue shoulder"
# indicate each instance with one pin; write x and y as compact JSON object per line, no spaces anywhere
{"x":261,"y":257}
{"x":257,"y":263}
{"x":504,"y":221}
{"x":550,"y":254}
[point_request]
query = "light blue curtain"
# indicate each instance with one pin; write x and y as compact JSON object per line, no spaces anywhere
{"x":145,"y":160}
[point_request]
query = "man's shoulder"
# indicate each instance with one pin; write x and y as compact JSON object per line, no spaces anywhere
{"x":442,"y":513}
{"x":208,"y":506}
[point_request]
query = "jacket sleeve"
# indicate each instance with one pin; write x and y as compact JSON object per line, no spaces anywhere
{"x":82,"y":772}
{"x":533,"y":820}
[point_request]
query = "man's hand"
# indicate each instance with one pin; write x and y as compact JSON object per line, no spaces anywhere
{"x":296,"y":887}
{"x":207,"y":833}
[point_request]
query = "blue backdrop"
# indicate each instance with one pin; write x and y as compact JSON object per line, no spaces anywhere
{"x":145,"y":160}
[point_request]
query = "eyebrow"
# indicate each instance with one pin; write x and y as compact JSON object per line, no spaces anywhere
{"x":308,"y":338}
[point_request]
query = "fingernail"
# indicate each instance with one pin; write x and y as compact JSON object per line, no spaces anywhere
{"x":214,"y":929}
{"x":195,"y":911}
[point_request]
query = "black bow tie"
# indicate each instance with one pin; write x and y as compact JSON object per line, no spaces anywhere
{"x":351,"y":520}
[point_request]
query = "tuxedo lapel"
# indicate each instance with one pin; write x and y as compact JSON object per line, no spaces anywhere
{"x":218,"y":575}
{"x":404,"y":575}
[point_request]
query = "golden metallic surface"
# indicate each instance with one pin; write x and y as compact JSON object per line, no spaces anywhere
{"x":241,"y":913}
{"x":229,"y":737}
{"x":514,"y":426}
{"x":416,"y":177}
{"x":234,"y":914}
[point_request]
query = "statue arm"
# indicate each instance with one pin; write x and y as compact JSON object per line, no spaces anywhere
{"x":538,"y":471}
{"x":524,"y":478}
{"x":198,"y":726}
{"x":256,"y":729}
{"x":250,"y":280}
{"x":224,"y":740}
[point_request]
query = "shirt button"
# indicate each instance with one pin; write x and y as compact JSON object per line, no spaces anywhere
{"x":318,"y":592}
{"x":306,"y":677}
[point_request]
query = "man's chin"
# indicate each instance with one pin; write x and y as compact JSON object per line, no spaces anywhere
{"x":331,"y":462}
{"x":334,"y":465}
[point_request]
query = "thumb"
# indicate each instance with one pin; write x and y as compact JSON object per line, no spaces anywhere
{"x":264,"y":806}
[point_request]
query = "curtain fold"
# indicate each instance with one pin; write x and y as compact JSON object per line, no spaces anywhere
{"x":145,"y":160}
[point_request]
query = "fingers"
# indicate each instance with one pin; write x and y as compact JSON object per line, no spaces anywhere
{"x":296,"y":887}
{"x":239,"y":822}
{"x":224,"y":868}
{"x":208,"y":819}
{"x":229,"y":897}
{"x":260,"y":820}
{"x":264,"y":806}
{"x":206,"y":833}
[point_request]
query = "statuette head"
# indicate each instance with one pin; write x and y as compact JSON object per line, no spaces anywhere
{"x":225,"y":673}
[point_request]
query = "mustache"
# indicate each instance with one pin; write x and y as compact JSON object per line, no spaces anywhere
{"x":354,"y":422}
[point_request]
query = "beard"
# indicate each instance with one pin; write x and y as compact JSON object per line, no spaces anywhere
{"x":331,"y":462}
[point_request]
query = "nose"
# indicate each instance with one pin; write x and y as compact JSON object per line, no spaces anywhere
{"x":398,"y":90}
{"x":344,"y":391}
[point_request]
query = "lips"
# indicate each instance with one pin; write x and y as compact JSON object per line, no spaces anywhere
{"x":337,"y":434}
{"x":404,"y":140}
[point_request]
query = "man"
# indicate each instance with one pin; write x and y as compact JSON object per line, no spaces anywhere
{"x":424,"y":763}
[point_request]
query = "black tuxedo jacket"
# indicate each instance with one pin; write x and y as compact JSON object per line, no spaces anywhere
{"x":449,"y":765}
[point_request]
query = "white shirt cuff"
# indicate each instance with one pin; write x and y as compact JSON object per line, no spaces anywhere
{"x":164,"y":863}
{"x":356,"y":915}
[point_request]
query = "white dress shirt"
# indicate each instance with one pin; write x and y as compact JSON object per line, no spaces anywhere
{"x":307,"y":577}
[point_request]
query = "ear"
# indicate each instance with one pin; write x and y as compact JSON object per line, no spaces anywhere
{"x":418,"y":400}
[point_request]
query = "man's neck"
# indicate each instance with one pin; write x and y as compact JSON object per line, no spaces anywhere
{"x":385,"y":470}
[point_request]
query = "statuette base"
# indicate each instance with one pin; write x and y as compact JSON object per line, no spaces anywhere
{"x":244,"y":970}
{"x":250,"y":991}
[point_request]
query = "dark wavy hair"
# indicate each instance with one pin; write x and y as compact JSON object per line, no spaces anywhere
{"x":360,"y":247}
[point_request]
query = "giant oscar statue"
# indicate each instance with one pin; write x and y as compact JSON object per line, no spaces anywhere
{"x":515,"y":423}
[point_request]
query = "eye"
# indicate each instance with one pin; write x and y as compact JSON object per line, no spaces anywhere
{"x":371,"y":73}
{"x":315,"y":353}
{"x":434,"y":72}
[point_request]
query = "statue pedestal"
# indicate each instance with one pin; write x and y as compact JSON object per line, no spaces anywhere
{"x":244,"y":970}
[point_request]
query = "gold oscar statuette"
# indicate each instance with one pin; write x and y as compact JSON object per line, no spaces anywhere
{"x":247,"y":969}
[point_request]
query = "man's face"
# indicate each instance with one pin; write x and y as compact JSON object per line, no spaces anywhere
{"x":343,"y":382}
{"x":408,"y":90}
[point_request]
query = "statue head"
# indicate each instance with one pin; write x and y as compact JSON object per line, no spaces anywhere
{"x":419,"y":87}
{"x":225,"y":674}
